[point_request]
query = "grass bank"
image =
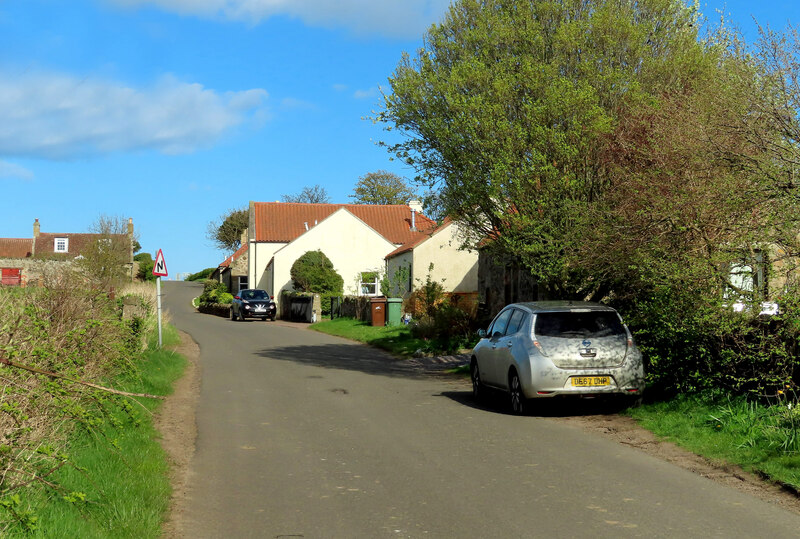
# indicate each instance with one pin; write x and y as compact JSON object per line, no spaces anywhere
{"x":763,"y":438}
{"x":394,"y":339}
{"x":117,"y":481}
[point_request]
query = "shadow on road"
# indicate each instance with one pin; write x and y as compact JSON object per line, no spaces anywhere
{"x":346,"y":357}
{"x":497,"y":402}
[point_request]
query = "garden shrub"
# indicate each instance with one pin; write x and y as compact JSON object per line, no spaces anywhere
{"x":214,"y":292}
{"x":314,"y":272}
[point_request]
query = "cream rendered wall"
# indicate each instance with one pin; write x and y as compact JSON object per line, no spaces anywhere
{"x":259,"y":255}
{"x":458,"y":269}
{"x":405,"y":260}
{"x":347,"y":241}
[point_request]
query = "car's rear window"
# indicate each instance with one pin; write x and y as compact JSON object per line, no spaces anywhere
{"x":586,"y":325}
{"x":254,"y":294}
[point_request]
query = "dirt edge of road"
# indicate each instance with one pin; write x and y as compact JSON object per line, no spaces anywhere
{"x":177,"y":425}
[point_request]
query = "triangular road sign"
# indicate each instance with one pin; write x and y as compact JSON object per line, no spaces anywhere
{"x":160,"y":266}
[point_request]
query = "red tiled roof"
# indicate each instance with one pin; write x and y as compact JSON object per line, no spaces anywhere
{"x":419,"y":239}
{"x":285,"y":221}
{"x":45,"y":243}
{"x":15,"y":247}
{"x":234,"y":257}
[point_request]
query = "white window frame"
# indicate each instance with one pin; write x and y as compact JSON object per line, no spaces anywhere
{"x":242,"y":283}
{"x":363,"y":286}
{"x":57,"y":248}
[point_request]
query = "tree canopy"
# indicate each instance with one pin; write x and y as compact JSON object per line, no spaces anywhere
{"x":382,"y":187}
{"x":226,"y":232}
{"x":543,"y":124}
{"x":314,"y":272}
{"x":313,"y":195}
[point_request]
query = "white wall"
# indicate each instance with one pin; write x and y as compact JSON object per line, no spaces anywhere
{"x":457,"y":268}
{"x":348,"y":242}
{"x":259,"y":255}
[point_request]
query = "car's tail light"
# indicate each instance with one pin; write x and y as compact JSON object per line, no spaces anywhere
{"x":538,"y":346}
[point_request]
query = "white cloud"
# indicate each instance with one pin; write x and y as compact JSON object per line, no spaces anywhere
{"x":58,"y":116}
{"x":12,"y":171}
{"x":292,"y":103}
{"x":406,"y":19}
{"x":365,"y":94}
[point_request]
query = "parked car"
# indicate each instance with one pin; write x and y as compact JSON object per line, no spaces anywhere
{"x":253,"y":303}
{"x":557,"y":348}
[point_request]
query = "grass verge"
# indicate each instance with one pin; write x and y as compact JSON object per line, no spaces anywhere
{"x":394,"y":339}
{"x":119,"y":484}
{"x":760,"y":438}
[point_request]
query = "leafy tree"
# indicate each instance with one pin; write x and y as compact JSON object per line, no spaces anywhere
{"x":382,"y":187}
{"x":146,"y":262}
{"x":313,"y":195}
{"x":226,"y":232}
{"x":107,"y":259}
{"x":618,"y":156}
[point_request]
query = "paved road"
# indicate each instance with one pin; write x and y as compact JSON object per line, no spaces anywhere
{"x":305,"y":435}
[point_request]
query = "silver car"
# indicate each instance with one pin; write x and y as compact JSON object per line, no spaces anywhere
{"x":557,"y":348}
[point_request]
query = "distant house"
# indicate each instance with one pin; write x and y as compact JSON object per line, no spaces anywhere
{"x":356,"y":238}
{"x":232,"y":272}
{"x":437,"y":254}
{"x":24,"y":260}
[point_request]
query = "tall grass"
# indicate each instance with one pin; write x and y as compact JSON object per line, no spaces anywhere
{"x":759,"y":436}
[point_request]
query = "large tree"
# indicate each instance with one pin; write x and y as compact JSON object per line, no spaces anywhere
{"x":226,"y":232}
{"x":382,"y":187}
{"x":511,"y":111}
{"x":107,"y":259}
{"x":313,"y":195}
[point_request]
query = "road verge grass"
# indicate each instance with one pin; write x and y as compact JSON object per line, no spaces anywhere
{"x":118,"y":481}
{"x":394,"y":339}
{"x":759,"y":437}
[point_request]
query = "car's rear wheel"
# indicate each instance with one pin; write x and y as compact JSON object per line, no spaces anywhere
{"x":517,"y":398}
{"x":477,"y":385}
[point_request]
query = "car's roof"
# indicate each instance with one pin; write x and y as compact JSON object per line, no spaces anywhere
{"x":252,"y":290}
{"x":561,"y":306}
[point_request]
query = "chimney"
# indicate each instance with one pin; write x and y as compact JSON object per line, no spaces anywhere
{"x":244,"y":238}
{"x":415,"y":206}
{"x":130,"y":226}
{"x":35,"y":235}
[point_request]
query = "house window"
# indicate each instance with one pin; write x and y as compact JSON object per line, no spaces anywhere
{"x":749,"y":277}
{"x":61,"y":245}
{"x":243,"y":283}
{"x":369,"y":283}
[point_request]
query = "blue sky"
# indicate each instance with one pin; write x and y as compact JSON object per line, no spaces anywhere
{"x":174,"y":111}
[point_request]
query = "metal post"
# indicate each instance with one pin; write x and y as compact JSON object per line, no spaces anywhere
{"x":158,"y":300}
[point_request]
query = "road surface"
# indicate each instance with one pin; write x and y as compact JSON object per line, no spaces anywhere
{"x":305,"y":435}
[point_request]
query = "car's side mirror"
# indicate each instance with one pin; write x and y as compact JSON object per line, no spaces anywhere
{"x":482,"y":333}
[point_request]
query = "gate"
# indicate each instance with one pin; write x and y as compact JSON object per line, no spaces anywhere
{"x":11,"y":276}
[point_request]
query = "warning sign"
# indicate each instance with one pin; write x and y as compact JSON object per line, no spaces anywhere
{"x":160,"y":265}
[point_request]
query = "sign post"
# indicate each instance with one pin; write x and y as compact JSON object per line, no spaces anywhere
{"x":159,"y":270}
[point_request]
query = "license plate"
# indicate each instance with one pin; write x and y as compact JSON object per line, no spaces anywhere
{"x":591,"y":381}
{"x":260,"y":309}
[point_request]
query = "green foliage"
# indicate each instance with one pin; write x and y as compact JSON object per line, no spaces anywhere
{"x":757,"y":435}
{"x":314,"y":272}
{"x":382,"y":187}
{"x":107,"y":257}
{"x":145,"y":272}
{"x":397,"y":285}
{"x":214,"y":292}
{"x":226,"y":232}
{"x":201,"y":275}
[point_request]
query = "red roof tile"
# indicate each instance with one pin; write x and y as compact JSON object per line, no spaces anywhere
{"x":15,"y":247}
{"x":283,"y":222}
{"x":45,"y":243}
{"x":234,"y":257}
{"x":416,"y":241}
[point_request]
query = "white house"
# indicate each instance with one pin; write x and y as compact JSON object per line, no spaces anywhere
{"x":355,"y":237}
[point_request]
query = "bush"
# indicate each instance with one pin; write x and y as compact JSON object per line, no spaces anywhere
{"x":200,"y":275}
{"x":709,"y":348}
{"x":145,"y":272}
{"x":314,"y":272}
{"x":214,"y":292}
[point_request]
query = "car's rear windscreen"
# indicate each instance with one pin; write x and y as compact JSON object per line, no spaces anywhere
{"x":586,"y":325}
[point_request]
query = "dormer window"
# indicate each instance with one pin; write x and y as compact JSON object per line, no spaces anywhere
{"x":61,"y":245}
